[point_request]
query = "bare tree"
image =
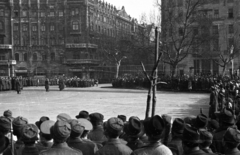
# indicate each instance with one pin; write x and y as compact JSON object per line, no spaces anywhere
{"x":182,"y":31}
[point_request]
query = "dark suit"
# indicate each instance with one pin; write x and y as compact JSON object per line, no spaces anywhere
{"x":61,"y":149}
{"x":176,"y":146}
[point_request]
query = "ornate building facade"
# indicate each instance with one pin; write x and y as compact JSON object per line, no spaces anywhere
{"x":55,"y":37}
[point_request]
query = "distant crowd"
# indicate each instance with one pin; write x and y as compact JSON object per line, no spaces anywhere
{"x":197,"y":83}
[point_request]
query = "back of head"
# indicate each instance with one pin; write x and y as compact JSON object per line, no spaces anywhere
{"x":76,"y":128}
{"x":154,"y":127}
{"x":60,"y":131}
{"x":191,"y":136}
{"x":29,"y":133}
{"x":206,"y":138}
{"x":18,"y":123}
{"x":5,"y":125}
{"x":96,"y":119}
{"x":178,"y":127}
{"x":232,"y":138}
{"x":113,"y":127}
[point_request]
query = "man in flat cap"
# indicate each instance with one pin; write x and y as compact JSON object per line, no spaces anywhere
{"x":45,"y":136}
{"x":191,"y":141}
{"x":175,"y":145}
{"x":133,"y":130}
{"x":97,"y":134}
{"x":8,"y":114}
{"x":60,"y":133}
{"x":17,"y":125}
{"x":5,"y":127}
{"x":29,"y":137}
{"x":232,"y":141}
{"x":226,"y":120}
{"x":112,"y":129}
{"x":75,"y":140}
{"x":154,"y":127}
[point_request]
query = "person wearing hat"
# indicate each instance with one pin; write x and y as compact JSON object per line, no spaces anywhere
{"x":133,"y":130}
{"x":8,"y":114}
{"x":167,"y":119}
{"x":206,"y":138}
{"x":232,"y":140}
{"x":97,"y":133}
{"x":123,"y":118}
{"x":112,"y":129}
{"x":63,"y":117}
{"x":5,"y":127}
{"x":154,"y":127}
{"x":83,"y":114}
{"x":17,"y":125}
{"x":29,"y":137}
{"x":47,"y":83}
{"x":175,"y":145}
{"x":60,"y":132}
{"x":42,"y":119}
{"x":75,"y":140}
{"x":18,"y":85}
{"x":191,"y":141}
{"x":45,"y":136}
{"x":226,"y":120}
{"x":87,"y":127}
{"x":201,"y":121}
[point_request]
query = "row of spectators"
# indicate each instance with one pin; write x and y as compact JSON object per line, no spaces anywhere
{"x":89,"y":134}
{"x":183,"y":83}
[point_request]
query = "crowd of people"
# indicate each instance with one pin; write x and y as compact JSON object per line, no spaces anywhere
{"x":90,"y":134}
{"x":17,"y":83}
{"x":197,"y":83}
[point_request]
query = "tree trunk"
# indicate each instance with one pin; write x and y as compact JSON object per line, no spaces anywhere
{"x":148,"y":101}
{"x":224,"y":70}
{"x":173,"y":69}
{"x":117,"y":70}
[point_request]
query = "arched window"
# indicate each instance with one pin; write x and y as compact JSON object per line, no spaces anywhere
{"x":35,"y":57}
{"x":17,"y":56}
{"x":52,"y":56}
{"x":25,"y":56}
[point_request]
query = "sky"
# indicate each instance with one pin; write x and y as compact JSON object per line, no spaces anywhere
{"x":135,"y":8}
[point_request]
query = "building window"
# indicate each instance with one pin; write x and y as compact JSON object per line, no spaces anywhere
{"x":230,"y":13}
{"x":25,"y":28}
{"x":73,"y":12}
{"x":17,"y":56}
{"x":43,"y":28}
{"x":75,"y":26}
{"x":15,"y":28}
{"x":16,"y":13}
{"x":35,"y":57}
{"x":1,"y":12}
{"x":51,"y":14}
{"x":52,"y":28}
{"x":34,"y":28}
{"x":24,"y":13}
{"x":52,"y":41}
{"x":2,"y":57}
{"x":76,"y":11}
{"x":16,"y":41}
{"x":230,"y":29}
{"x":1,"y":25}
{"x":42,"y":14}
{"x":60,"y":13}
{"x":216,"y":13}
{"x":25,"y":57}
{"x":44,"y":57}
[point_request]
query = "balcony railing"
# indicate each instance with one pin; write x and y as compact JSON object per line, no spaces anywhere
{"x":82,"y":61}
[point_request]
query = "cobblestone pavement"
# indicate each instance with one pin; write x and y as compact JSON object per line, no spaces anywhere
{"x":35,"y":102}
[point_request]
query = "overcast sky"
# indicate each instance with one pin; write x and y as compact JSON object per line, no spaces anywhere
{"x":135,"y":7}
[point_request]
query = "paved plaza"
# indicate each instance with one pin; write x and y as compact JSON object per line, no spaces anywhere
{"x":34,"y":102}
